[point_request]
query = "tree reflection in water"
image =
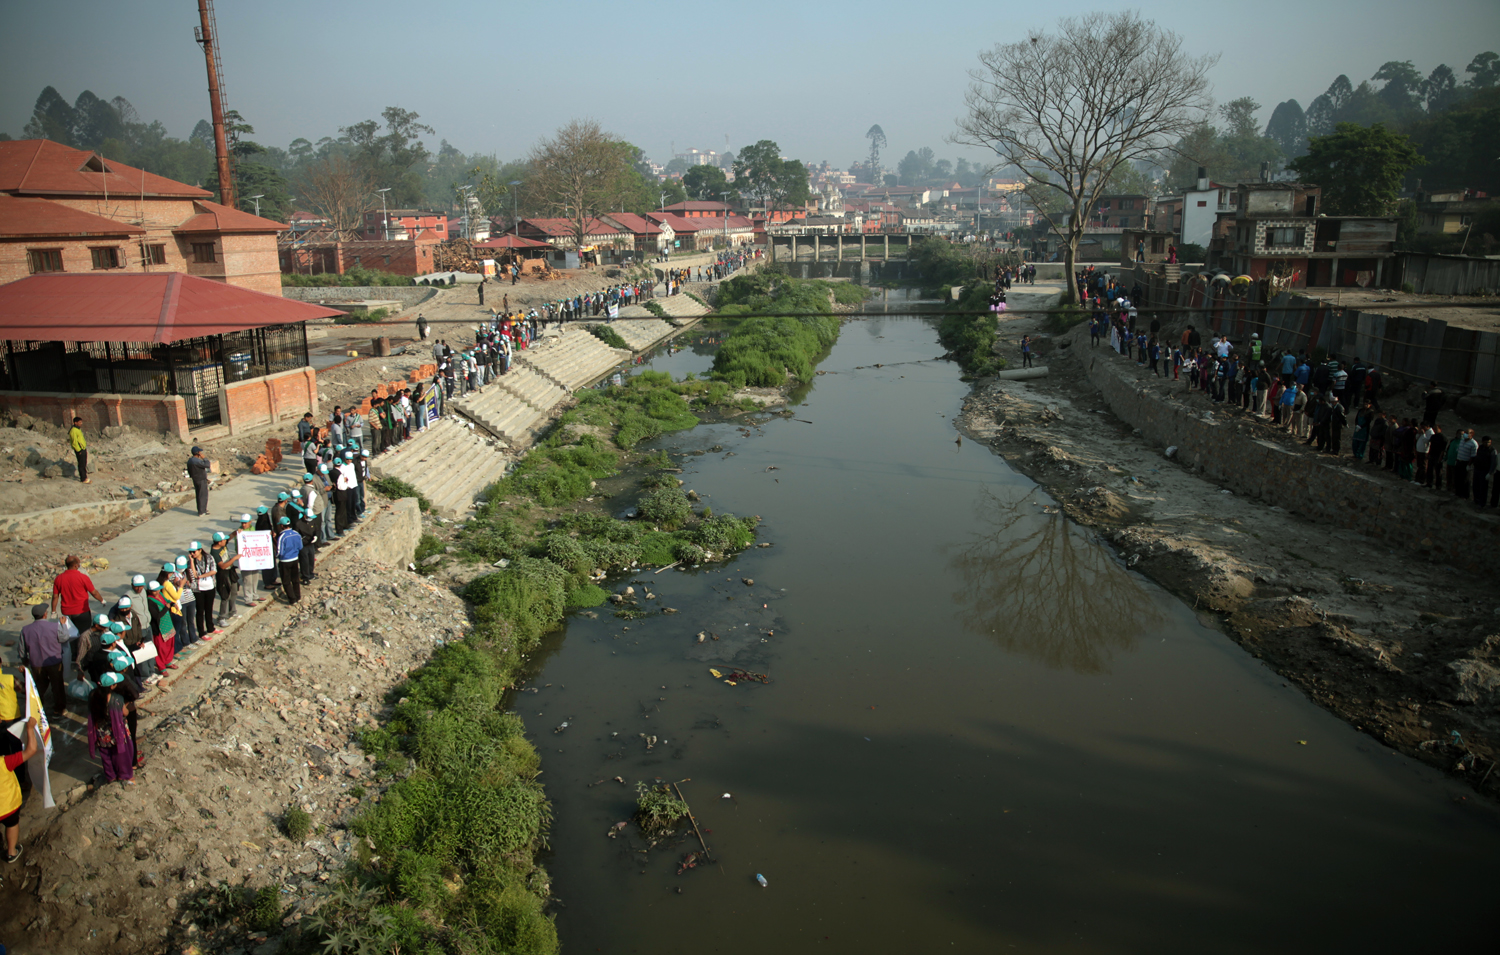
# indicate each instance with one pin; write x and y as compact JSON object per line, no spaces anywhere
{"x":1037,"y":586}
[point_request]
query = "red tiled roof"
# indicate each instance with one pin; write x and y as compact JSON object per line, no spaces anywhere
{"x":564,"y":227}
{"x":213,"y":217}
{"x":635,"y":224}
{"x":511,"y":242}
{"x":42,"y":167}
{"x":159,"y":307}
{"x":36,"y":217}
{"x":693,"y":205}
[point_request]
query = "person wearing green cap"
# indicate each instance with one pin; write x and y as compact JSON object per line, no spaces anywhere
{"x":226,"y":575}
{"x":109,"y":730}
{"x":163,"y":630}
{"x":203,"y":577}
{"x":187,"y":599}
{"x":288,"y":555}
{"x":278,"y":510}
{"x":125,"y":613}
{"x":171,"y":589}
{"x":324,"y":488}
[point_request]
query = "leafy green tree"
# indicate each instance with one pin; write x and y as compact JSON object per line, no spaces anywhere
{"x":705,"y":183}
{"x":1403,"y":87}
{"x":51,"y":118}
{"x":392,"y":158}
{"x":1484,"y":71}
{"x":678,"y":166}
{"x":1360,"y":168}
{"x":1460,"y":144}
{"x":876,"y":136}
{"x":778,"y":183}
{"x":252,"y":175}
{"x":1323,"y":110}
{"x":1288,"y":127}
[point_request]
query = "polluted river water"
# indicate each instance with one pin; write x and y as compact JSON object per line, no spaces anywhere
{"x":982,"y":732}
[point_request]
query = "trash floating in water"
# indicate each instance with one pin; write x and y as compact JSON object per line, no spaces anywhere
{"x":726,"y":796}
{"x":733,"y":675}
{"x":761,"y":879}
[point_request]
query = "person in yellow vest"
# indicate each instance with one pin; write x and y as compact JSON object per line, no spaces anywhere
{"x":80,"y":446}
{"x":10,"y":786}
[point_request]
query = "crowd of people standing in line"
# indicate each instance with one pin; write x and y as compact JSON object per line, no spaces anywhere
{"x":1315,"y":401}
{"x":110,"y":651}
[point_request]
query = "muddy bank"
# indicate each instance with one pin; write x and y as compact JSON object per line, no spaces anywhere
{"x":1402,"y":646}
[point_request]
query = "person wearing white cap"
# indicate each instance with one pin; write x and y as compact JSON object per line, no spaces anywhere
{"x":249,"y":579}
{"x":202,"y":575}
{"x":226,"y":574}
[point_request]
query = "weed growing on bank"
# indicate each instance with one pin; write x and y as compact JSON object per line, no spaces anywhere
{"x":396,"y":488}
{"x":970,"y":339}
{"x":609,"y":336}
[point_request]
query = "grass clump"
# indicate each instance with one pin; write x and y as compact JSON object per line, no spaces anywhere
{"x":666,"y":506}
{"x":263,"y":910}
{"x":609,"y":336}
{"x":657,"y":808}
{"x":654,"y":308}
{"x":396,"y":488}
{"x":429,"y":545}
{"x":296,"y":823}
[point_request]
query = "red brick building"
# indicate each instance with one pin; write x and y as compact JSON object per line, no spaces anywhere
{"x":393,"y":224}
{"x":72,"y":211}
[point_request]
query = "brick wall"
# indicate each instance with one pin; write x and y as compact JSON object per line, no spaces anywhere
{"x":257,"y":402}
{"x":1438,"y":525}
{"x":164,"y":414}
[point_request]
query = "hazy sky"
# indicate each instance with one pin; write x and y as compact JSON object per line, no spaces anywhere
{"x":495,"y":77}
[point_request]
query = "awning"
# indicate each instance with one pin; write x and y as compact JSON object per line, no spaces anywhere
{"x":160,"y":307}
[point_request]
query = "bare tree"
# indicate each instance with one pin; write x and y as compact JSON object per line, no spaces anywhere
{"x":1070,"y":108}
{"x":579,"y":173}
{"x":337,"y":189}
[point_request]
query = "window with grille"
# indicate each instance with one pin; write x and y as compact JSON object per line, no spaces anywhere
{"x":44,"y":260}
{"x":105,"y":258}
{"x":203,"y":252}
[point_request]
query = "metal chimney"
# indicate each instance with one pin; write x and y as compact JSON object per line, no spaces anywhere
{"x":1202,"y":178}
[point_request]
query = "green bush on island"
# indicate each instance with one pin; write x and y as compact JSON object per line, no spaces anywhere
{"x":970,"y":338}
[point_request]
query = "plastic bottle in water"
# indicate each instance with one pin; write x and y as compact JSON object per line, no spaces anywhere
{"x":761,"y":879}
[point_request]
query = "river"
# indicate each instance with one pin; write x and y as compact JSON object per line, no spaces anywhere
{"x":982,"y":733}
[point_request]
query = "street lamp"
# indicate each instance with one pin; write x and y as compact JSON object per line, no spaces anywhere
{"x":257,"y":199}
{"x":385,"y":218}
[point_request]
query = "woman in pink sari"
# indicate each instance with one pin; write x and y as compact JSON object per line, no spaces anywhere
{"x":109,"y":732}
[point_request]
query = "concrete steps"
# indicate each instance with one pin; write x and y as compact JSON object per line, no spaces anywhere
{"x":449,"y":463}
{"x":502,"y":412}
{"x":681,"y":306}
{"x":640,"y":333}
{"x":573,"y":359}
{"x":525,"y":383}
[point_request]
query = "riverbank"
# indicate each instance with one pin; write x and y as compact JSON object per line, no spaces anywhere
{"x":1400,"y":645}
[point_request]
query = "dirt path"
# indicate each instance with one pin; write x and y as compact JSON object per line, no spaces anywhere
{"x":1404,"y":648}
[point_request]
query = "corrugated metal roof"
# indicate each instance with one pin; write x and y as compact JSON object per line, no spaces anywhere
{"x":160,"y":307}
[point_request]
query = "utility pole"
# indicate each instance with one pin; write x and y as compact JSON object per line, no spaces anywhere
{"x":724,"y":198}
{"x":385,"y":219}
{"x":207,"y":35}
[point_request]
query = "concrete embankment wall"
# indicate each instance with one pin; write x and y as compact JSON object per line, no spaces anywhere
{"x":389,"y":537}
{"x":71,"y":517}
{"x":407,"y":295}
{"x":1402,"y":517}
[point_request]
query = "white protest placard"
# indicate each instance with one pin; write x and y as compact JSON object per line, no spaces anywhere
{"x":255,"y":550}
{"x":614,"y":310}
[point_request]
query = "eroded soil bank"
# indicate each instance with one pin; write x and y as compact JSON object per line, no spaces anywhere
{"x":1400,"y":645}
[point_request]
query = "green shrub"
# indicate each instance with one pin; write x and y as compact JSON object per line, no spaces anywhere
{"x":589,"y":595}
{"x":396,"y":488}
{"x":609,"y":336}
{"x":296,"y":823}
{"x":970,"y":339}
{"x":657,"y":808}
{"x":263,"y":910}
{"x":429,"y":545}
{"x":530,"y":595}
{"x":762,"y":351}
{"x":1064,"y":317}
{"x":666,"y":506}
{"x":654,"y":307}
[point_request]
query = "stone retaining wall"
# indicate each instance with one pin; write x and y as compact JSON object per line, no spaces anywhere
{"x":71,"y":517}
{"x":1435,"y":524}
{"x":389,"y":537}
{"x":407,"y":295}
